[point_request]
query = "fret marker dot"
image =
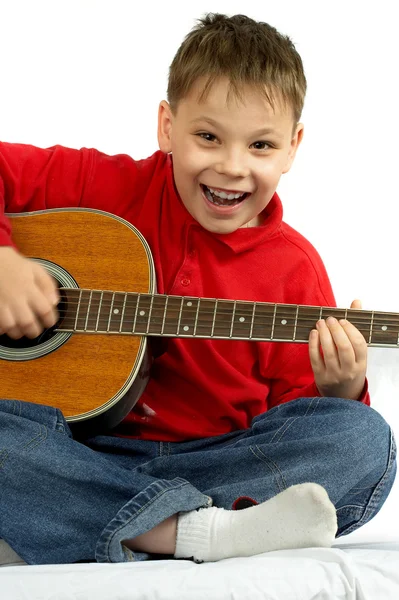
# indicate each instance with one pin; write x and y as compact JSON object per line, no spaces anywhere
{"x":142,"y":313}
{"x":189,"y":303}
{"x":384,"y":328}
{"x":186,"y":328}
{"x":116,"y":311}
{"x":284,"y":322}
{"x":241,"y":319}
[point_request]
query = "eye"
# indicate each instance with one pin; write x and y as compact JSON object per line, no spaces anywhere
{"x":265,"y":145}
{"x":206,"y":136}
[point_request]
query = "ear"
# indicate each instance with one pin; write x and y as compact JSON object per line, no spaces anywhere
{"x":165,"y":127}
{"x":296,"y":140}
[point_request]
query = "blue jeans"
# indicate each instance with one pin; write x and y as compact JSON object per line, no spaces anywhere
{"x":63,"y":501}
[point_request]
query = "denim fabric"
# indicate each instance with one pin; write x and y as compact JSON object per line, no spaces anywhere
{"x":63,"y":501}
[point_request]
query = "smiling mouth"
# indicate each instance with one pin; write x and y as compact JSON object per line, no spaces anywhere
{"x":218,"y":201}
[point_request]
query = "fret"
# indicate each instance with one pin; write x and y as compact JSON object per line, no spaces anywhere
{"x":143,"y":313}
{"x":232,"y":319}
{"x":82,"y":314}
{"x":115,"y":314}
{"x":92,"y":311}
{"x":99,"y":310}
{"x":224,"y":319}
{"x":149,"y":314}
{"x":128,"y":312}
{"x":189,"y":315}
{"x":180,"y":311}
{"x":385,"y":329}
{"x":296,"y":324}
{"x":156,"y":322}
{"x":306,"y":321}
{"x":205,"y":318}
{"x":69,"y":318}
{"x":171,"y":315}
{"x":214,"y":317}
{"x":123,"y":312}
{"x":164,"y":315}
{"x":371,"y":328}
{"x":263,"y":321}
{"x":187,"y":312}
{"x":243,"y":320}
{"x":284,"y":322}
{"x":332,"y":311}
{"x":78,"y":309}
{"x":274,"y":321}
{"x":104,"y":312}
{"x":360,"y":319}
{"x":252,"y":320}
{"x":110,"y":311}
{"x":135,"y":313}
{"x":196,"y":317}
{"x":88,"y":310}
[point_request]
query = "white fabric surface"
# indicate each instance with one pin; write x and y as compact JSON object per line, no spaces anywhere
{"x":312,"y":573}
{"x":361,"y":566}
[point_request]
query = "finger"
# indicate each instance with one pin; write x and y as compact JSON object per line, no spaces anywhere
{"x":316,"y":358}
{"x":357,"y":340}
{"x":8,"y":324}
{"x":25,"y":322}
{"x":343,"y":346}
{"x":356,"y":304}
{"x":328,"y":344}
{"x":44,"y":309}
{"x":47,"y":285}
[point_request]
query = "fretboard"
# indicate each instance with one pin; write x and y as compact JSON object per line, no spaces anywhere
{"x":104,"y":312}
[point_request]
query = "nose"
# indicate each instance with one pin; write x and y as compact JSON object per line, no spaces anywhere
{"x":231,"y":163}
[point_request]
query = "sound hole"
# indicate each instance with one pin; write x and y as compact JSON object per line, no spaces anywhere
{"x":47,"y":334}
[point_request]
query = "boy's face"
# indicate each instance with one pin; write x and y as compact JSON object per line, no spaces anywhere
{"x":228,"y":147}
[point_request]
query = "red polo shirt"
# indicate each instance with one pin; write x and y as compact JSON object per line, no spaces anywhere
{"x":198,"y":388}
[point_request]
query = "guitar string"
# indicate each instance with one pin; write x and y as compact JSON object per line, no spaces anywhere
{"x":169,"y":319}
{"x":258,"y":320}
{"x":260,"y":315}
{"x":260,"y":306}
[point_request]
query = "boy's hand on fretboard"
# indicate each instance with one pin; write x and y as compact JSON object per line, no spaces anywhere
{"x":338,"y":355}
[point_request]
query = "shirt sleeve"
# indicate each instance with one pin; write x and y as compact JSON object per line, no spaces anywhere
{"x":34,"y":179}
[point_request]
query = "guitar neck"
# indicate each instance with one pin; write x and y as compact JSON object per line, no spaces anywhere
{"x":105,"y":312}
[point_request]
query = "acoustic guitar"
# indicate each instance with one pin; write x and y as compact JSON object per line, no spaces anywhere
{"x":95,"y":362}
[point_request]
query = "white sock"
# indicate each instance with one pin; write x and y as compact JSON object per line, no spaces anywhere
{"x":301,"y":516}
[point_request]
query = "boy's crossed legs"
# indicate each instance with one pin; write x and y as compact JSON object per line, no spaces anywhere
{"x":135,"y":494}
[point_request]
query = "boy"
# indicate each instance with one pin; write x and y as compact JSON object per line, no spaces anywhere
{"x":235,"y":448}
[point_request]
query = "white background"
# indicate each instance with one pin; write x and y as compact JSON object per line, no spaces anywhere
{"x":92,"y":73}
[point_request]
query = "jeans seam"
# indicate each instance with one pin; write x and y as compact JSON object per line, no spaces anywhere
{"x":375,"y":496}
{"x":273,"y":467}
{"x":291,"y":420}
{"x":318,"y":398}
{"x":35,"y":441}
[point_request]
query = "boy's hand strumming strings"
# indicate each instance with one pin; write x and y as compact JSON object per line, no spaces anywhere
{"x":338,"y":355}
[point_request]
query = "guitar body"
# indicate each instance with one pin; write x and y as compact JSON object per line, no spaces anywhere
{"x":94,"y":364}
{"x":94,"y":379}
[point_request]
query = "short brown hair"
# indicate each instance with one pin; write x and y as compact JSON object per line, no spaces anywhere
{"x":246,"y":52}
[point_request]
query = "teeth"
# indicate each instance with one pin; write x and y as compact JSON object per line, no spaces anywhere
{"x":225,"y":196}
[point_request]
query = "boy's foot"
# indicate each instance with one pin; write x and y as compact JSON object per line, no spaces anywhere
{"x":301,"y":516}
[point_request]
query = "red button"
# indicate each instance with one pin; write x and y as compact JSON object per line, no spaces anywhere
{"x":185,"y":281}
